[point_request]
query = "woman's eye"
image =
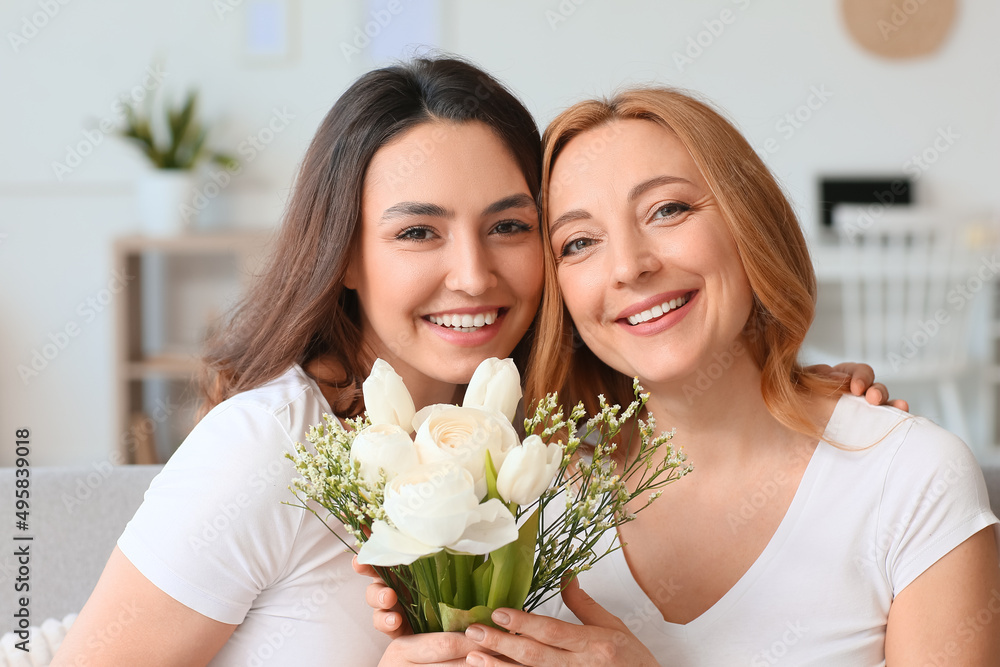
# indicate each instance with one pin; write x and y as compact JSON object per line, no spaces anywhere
{"x":575,"y":246}
{"x":415,"y":234}
{"x":671,"y":210}
{"x":509,"y":227}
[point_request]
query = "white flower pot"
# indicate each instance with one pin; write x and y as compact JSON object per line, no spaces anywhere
{"x":162,"y":197}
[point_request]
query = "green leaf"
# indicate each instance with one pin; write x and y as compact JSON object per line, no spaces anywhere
{"x":491,"y":479}
{"x":457,"y":620}
{"x":523,"y":552}
{"x":481,"y":578}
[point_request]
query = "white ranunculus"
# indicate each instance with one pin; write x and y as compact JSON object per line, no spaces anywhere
{"x":496,"y":385}
{"x":528,"y":470}
{"x":464,"y":435}
{"x":435,"y":507}
{"x":387,"y":400}
{"x":384,"y":446}
{"x":423,"y":413}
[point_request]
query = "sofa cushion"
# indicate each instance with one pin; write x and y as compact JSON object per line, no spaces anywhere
{"x":76,"y":516}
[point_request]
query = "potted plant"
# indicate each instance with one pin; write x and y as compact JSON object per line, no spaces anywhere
{"x":175,"y":145}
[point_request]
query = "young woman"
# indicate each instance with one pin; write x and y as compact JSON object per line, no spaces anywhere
{"x":816,"y":529}
{"x":412,"y":236}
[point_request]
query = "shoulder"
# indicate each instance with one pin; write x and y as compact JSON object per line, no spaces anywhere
{"x":905,"y":458}
{"x":287,"y":405}
{"x":901,"y":440}
{"x":242,"y":442}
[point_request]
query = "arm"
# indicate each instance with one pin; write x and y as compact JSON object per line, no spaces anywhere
{"x":950,"y":614}
{"x":128,"y":621}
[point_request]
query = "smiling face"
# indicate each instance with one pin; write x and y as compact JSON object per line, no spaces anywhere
{"x":448,"y":269}
{"x":647,"y":267}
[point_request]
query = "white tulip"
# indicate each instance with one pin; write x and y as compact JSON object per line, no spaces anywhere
{"x":383,"y":446}
{"x":528,"y":470}
{"x":464,"y":435}
{"x":387,"y":400}
{"x":434,"y":507}
{"x":496,"y":385}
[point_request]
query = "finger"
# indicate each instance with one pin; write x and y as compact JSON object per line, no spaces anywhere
{"x":877,"y":394}
{"x":477,"y":659}
{"x":365,"y":570}
{"x":434,"y":648}
{"x":586,"y":608}
{"x":523,"y":649}
{"x":900,"y":404}
{"x":862,"y":376}
{"x":380,"y":596}
{"x":390,"y":623}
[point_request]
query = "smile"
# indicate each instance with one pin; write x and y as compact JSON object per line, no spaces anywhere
{"x":465,"y":322}
{"x":658,"y":310}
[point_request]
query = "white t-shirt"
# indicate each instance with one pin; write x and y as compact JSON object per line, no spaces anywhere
{"x":213,"y":534}
{"x":861,"y":526}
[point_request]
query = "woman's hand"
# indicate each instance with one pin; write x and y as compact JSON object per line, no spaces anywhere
{"x":435,"y":648}
{"x":860,"y":380}
{"x":542,"y":641}
{"x":387,"y":616}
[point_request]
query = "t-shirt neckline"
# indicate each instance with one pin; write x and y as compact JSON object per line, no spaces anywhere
{"x":814,"y":469}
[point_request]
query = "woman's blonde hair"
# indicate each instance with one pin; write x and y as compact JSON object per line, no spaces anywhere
{"x":763,"y":225}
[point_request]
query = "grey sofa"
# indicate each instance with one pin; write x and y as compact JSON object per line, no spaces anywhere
{"x":76,"y":517}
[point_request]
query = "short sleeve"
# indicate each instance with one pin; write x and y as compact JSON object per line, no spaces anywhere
{"x":934,"y":498}
{"x":212,"y":531}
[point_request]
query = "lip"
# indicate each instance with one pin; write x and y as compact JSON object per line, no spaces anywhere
{"x":468,"y":338}
{"x":646,"y":304}
{"x":665,"y":321}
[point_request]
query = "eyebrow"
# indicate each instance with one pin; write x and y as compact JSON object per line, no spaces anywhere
{"x":634,"y":193}
{"x":520,"y":200}
{"x":416,"y":208}
{"x":655,"y":182}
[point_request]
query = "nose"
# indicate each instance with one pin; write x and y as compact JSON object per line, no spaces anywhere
{"x":633,"y":257}
{"x":471,"y":266}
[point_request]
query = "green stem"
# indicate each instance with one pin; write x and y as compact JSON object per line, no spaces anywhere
{"x":464,"y":589}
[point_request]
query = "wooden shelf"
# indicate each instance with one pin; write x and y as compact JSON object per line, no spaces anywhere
{"x":136,"y":370}
{"x":164,"y":365}
{"x":190,"y":244}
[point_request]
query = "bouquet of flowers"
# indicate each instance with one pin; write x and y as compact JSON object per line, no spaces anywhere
{"x":464,"y":516}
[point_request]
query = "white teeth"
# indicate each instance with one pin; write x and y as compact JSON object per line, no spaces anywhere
{"x":657,"y":311}
{"x":465,"y":322}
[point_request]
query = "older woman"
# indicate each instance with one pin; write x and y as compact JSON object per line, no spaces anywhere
{"x":816,"y":529}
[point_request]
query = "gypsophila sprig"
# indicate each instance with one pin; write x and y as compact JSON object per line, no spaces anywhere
{"x":594,"y":490}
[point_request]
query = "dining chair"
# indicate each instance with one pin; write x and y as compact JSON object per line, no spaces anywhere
{"x":902,"y":310}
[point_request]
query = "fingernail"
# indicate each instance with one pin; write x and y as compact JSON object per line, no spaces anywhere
{"x":476,"y":634}
{"x":390,"y":620}
{"x":382,"y":596}
{"x":501,"y":618}
{"x":474,"y":660}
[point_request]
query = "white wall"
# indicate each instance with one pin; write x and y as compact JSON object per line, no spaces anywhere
{"x":55,"y":236}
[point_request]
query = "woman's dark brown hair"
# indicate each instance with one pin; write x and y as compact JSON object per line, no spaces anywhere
{"x":299,"y":310}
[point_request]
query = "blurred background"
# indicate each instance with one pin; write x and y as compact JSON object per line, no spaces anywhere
{"x":879,"y":118}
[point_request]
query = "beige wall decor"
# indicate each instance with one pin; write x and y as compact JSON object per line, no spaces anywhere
{"x":899,"y":28}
